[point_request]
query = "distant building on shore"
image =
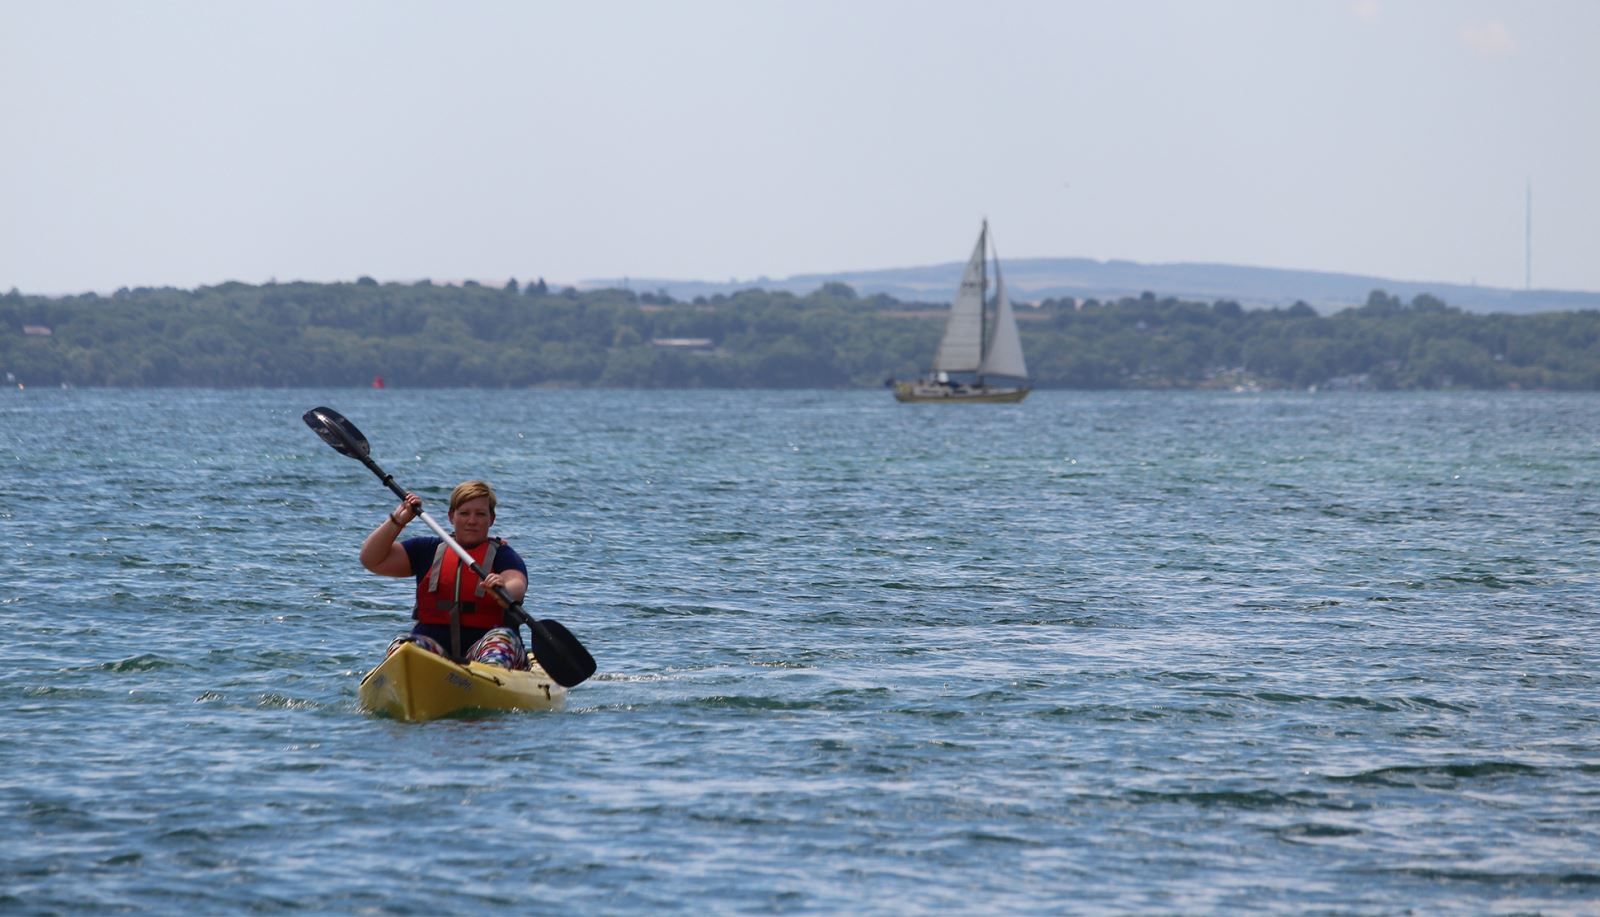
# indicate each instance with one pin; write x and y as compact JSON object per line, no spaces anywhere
{"x":698,"y":345}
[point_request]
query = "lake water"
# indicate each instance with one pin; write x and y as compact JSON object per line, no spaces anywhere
{"x":1094,"y":653}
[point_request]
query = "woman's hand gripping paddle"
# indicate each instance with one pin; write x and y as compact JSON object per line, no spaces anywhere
{"x":558,"y":651}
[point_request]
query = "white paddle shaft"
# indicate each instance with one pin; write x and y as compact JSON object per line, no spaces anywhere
{"x":454,"y":545}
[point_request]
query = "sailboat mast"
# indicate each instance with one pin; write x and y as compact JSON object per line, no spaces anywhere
{"x":983,"y":302}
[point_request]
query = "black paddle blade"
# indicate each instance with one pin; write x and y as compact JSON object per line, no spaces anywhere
{"x":337,"y":432}
{"x":559,"y":653}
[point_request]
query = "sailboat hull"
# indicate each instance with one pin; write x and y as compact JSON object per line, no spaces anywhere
{"x":962,"y":394}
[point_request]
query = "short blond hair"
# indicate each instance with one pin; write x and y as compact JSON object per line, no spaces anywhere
{"x":472,"y":490}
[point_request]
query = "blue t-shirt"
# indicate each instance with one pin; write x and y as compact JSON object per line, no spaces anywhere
{"x":420,"y":551}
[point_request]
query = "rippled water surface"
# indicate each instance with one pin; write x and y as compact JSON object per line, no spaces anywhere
{"x":1152,"y":653}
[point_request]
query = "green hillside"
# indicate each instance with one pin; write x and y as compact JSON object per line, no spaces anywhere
{"x":304,"y":334}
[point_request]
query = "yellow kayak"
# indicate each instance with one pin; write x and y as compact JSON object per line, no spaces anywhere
{"x":414,"y":684}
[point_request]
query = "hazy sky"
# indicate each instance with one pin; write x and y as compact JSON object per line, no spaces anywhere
{"x":190,"y":143}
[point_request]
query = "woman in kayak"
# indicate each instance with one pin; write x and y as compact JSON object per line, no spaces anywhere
{"x":454,"y":609}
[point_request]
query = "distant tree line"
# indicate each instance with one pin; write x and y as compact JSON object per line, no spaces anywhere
{"x":520,"y":335}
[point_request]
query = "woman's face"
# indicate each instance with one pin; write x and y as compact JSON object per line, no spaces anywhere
{"x":471,"y":521}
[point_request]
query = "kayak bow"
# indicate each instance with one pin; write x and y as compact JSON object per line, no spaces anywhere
{"x":414,"y":684}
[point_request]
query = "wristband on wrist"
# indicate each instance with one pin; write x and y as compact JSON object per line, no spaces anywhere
{"x":397,"y":523}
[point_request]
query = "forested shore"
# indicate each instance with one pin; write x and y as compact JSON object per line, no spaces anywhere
{"x":423,"y":334}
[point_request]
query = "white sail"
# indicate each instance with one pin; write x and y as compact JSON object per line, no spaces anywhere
{"x":1004,"y":357}
{"x":961,"y":349}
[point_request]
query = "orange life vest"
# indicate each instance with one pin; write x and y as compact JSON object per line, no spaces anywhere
{"x":451,"y":584}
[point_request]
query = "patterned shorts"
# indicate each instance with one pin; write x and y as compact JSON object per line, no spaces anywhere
{"x":501,"y":647}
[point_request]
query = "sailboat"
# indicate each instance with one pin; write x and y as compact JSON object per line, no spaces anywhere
{"x":980,"y":358}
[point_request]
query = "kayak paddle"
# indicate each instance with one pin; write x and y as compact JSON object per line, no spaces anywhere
{"x":558,"y":651}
